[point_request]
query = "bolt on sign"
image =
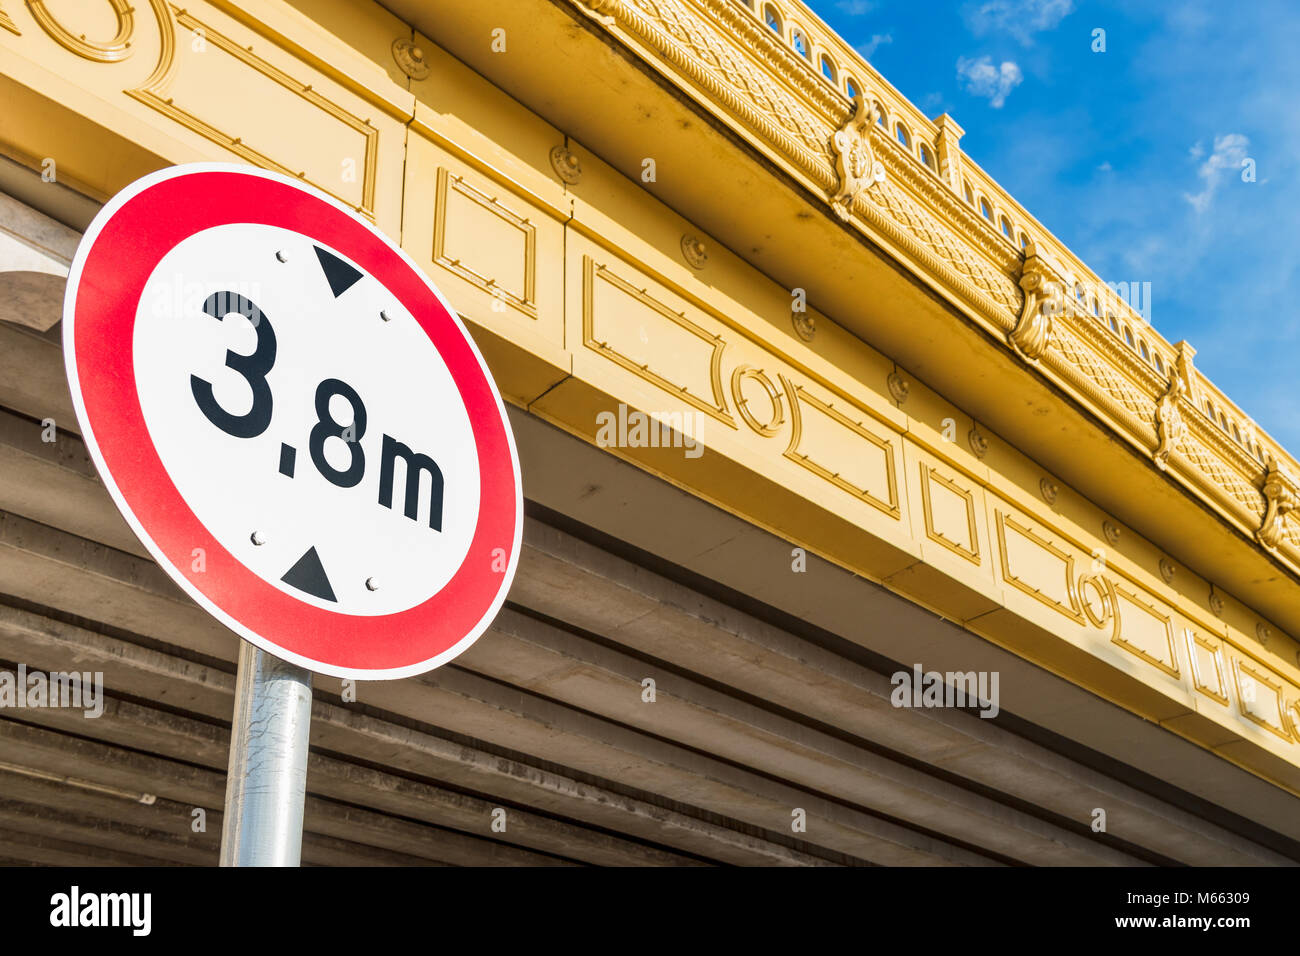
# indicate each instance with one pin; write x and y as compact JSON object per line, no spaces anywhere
{"x":293,"y":420}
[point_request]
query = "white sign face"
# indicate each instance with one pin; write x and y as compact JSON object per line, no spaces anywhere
{"x":293,"y":420}
{"x":336,"y":480}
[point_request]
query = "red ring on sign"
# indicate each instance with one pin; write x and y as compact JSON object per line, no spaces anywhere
{"x":129,"y":246}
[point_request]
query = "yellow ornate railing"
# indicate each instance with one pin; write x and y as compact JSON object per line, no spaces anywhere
{"x":788,"y":81}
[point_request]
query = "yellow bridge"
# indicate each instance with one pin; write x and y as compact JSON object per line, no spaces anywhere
{"x":808,"y":408}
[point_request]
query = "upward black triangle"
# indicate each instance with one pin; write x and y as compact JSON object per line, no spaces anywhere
{"x":340,"y":275}
{"x":309,"y":575}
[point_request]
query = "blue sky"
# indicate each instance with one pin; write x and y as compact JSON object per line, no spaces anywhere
{"x":1132,"y":157}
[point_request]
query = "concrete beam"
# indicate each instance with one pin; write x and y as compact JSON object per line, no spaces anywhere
{"x":105,"y":833}
{"x":39,"y":850}
{"x":181,"y":787}
{"x":32,"y":378}
{"x":565,"y":667}
{"x":35,"y":254}
{"x":570,"y":580}
{"x":52,"y":645}
{"x":47,"y":475}
{"x":419,"y":752}
{"x":508,"y":717}
{"x":130,"y":725}
{"x":49,"y":567}
{"x":321,"y":850}
{"x":142,"y":820}
{"x":46,"y":566}
{"x":126,"y":571}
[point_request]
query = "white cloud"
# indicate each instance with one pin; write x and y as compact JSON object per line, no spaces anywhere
{"x":1018,"y":18}
{"x":984,"y":79}
{"x":1223,"y":281}
{"x":868,"y":49}
{"x":1229,"y":151}
{"x":855,"y":8}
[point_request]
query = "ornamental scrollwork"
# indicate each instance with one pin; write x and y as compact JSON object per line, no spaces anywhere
{"x":1281,"y":496}
{"x":1042,"y":285}
{"x":855,"y":165}
{"x":1170,"y":426}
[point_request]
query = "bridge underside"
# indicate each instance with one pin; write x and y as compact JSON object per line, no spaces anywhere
{"x":772,"y":695}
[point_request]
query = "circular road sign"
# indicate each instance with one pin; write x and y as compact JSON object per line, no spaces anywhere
{"x":293,"y":420}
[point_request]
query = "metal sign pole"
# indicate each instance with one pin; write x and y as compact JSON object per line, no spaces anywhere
{"x":266,"y":785}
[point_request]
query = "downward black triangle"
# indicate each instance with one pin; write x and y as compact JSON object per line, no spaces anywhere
{"x":309,"y":575}
{"x":340,"y":275}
